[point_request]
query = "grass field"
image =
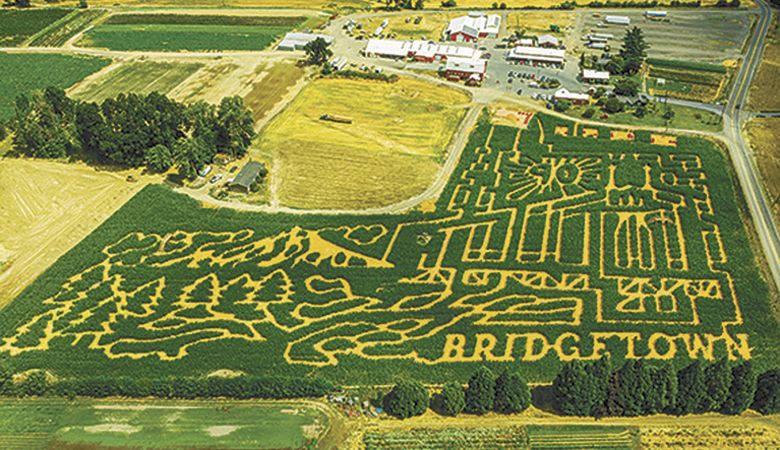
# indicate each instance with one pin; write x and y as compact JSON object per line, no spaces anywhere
{"x":177,"y":32}
{"x":430,"y":25}
{"x":59,"y":32}
{"x":389,"y":153}
{"x":763,"y":91}
{"x":52,"y":423}
{"x":541,"y":247}
{"x":764,"y":134}
{"x":16,"y":26}
{"x":139,"y":77}
{"x":32,"y":72}
{"x":685,"y":118}
{"x":538,"y":23}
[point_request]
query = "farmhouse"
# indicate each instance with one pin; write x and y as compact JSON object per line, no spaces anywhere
{"x":296,"y":41}
{"x":247,"y":176}
{"x":547,"y":41}
{"x":472,"y":27}
{"x":471,"y":70}
{"x":595,"y":76}
{"x":537,"y":54}
{"x":575,"y":98}
{"x":425,"y":51}
{"x":617,"y":20}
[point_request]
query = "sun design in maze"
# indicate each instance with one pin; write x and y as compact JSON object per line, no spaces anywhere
{"x":527,"y":238}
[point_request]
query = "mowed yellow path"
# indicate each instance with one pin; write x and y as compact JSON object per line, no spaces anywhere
{"x":391,"y":150}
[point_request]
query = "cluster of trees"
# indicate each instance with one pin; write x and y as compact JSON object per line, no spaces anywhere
{"x":16,"y":3}
{"x":132,"y":130}
{"x":395,"y":5}
{"x":506,"y":394}
{"x":632,"y":54}
{"x":318,"y":52}
{"x":728,"y":4}
{"x":637,"y":388}
{"x":449,"y":3}
{"x":497,"y":5}
{"x":241,"y":387}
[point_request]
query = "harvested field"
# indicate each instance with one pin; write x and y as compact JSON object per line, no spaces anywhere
{"x":540,"y":248}
{"x":706,"y":438}
{"x":178,"y":32}
{"x":48,"y":207}
{"x":58,"y":33}
{"x":139,"y":77}
{"x":301,"y":4}
{"x":389,"y":152}
{"x":430,"y":25}
{"x":16,"y":26}
{"x":537,"y":23}
{"x":766,"y":85}
{"x":763,"y":134}
{"x":33,"y":72}
{"x":274,"y":85}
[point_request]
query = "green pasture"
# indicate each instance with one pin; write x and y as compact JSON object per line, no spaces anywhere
{"x":55,"y":423}
{"x":168,"y":287}
{"x":18,"y":25}
{"x":32,"y":72}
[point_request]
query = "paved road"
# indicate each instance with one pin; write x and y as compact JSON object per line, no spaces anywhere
{"x":745,"y":166}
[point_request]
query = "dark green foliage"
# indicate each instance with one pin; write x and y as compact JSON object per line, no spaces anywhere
{"x":742,"y":390}
{"x":718,"y":379}
{"x":6,"y":377}
{"x":663,"y":393}
{"x":16,"y":26}
{"x":626,"y":86}
{"x":34,"y":384}
{"x":318,"y":52}
{"x":512,"y":393}
{"x":581,"y":388}
{"x":634,"y":50}
{"x":159,"y":158}
{"x":481,"y":391}
{"x":635,"y":388}
{"x":562,"y":105}
{"x":691,"y":390}
{"x":234,"y":127}
{"x":613,"y":105}
{"x":451,"y":401}
{"x":690,"y":65}
{"x":407,"y":399}
{"x":767,"y":400}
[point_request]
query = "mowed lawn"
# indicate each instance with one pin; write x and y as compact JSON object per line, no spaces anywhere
{"x":25,"y":73}
{"x":179,"y":32}
{"x":139,"y":77}
{"x":18,"y":25}
{"x":390,"y":151}
{"x":57,"y":423}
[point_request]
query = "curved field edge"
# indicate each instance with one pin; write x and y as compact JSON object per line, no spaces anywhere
{"x":160,"y":211}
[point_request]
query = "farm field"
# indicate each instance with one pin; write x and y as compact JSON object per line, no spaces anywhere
{"x":763,"y":90}
{"x":59,"y":32}
{"x":684,"y":118}
{"x":33,"y":72}
{"x":390,"y":152}
{"x":699,"y":82}
{"x":681,"y":37}
{"x":537,"y":23}
{"x":705,"y":438}
{"x":178,"y":32}
{"x":47,"y":208}
{"x":139,"y":77}
{"x":278,"y":79}
{"x":55,"y":423}
{"x":17,"y":26}
{"x":763,"y":135}
{"x":544,"y":245}
{"x":430,"y":25}
{"x":287,"y":4}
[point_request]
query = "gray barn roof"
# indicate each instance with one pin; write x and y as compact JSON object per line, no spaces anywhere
{"x":247,"y":175}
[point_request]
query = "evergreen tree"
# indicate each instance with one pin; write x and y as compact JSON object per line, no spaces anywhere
{"x":6,"y":377}
{"x":451,"y":401}
{"x":742,"y":389}
{"x":407,"y":399}
{"x":767,"y":399}
{"x":663,"y":390}
{"x":691,"y":390}
{"x":634,"y":51}
{"x":318,"y":52}
{"x":635,"y":385}
{"x":512,"y":393}
{"x":571,"y":389}
{"x":718,"y":378}
{"x":598,"y":384}
{"x":481,"y":391}
{"x":159,"y":158}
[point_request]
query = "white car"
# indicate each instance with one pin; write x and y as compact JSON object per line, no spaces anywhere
{"x":215,"y":178}
{"x":205,"y":171}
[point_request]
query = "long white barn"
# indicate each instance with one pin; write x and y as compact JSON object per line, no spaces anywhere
{"x":420,"y":50}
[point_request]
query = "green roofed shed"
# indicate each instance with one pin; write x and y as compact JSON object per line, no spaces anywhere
{"x":247,"y":176}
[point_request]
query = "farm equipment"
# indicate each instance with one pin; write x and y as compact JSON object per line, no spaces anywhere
{"x":335,"y":118}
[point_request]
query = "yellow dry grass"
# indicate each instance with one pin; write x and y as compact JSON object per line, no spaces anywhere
{"x":431,"y":25}
{"x":47,"y":207}
{"x":766,"y":85}
{"x":538,"y":22}
{"x":763,"y":134}
{"x":301,"y":4}
{"x":274,"y":84}
{"x":389,"y":152}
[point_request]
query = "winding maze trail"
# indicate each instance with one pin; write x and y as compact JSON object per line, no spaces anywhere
{"x":527,"y":240}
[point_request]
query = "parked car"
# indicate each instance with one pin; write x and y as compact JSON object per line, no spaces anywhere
{"x":205,"y":171}
{"x":215,"y":178}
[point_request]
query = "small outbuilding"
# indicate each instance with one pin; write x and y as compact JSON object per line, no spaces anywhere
{"x":574,"y":97}
{"x":547,"y":41}
{"x":296,"y":41}
{"x":247,"y":176}
{"x":617,"y":20}
{"x":595,"y":76}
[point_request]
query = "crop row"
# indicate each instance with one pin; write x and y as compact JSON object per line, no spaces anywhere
{"x":191,"y":19}
{"x":60,"y":31}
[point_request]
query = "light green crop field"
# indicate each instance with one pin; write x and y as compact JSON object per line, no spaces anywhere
{"x":139,"y":77}
{"x":56,"y":423}
{"x":177,"y":32}
{"x":32,"y":72}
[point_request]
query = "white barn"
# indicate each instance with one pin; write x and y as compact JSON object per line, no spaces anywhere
{"x":472,"y":27}
{"x":537,"y":54}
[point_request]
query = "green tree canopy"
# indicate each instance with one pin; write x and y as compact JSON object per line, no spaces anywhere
{"x":318,"y":52}
{"x":481,"y":391}
{"x":451,"y":401}
{"x":742,"y":390}
{"x":512,"y":393}
{"x":767,"y":399}
{"x":406,"y":399}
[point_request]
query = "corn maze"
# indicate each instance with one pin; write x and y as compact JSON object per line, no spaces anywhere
{"x":545,"y":246}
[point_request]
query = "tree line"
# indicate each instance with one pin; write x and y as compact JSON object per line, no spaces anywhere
{"x":507,"y":393}
{"x":131,"y":130}
{"x":638,"y":388}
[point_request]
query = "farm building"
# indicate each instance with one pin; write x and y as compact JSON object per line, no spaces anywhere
{"x":547,"y":41}
{"x":655,"y":14}
{"x":465,"y":69}
{"x":597,"y":45}
{"x":595,"y":76}
{"x":296,"y":41}
{"x":425,"y":51}
{"x":526,"y":42}
{"x":537,"y":54}
{"x":575,"y":98}
{"x":472,"y":27}
{"x":617,"y":20}
{"x":247,"y":176}
{"x":338,"y":63}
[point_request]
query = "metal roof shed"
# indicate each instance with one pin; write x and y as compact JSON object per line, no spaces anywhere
{"x":247,"y":175}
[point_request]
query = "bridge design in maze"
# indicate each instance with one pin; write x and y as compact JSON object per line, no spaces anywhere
{"x":526,"y":237}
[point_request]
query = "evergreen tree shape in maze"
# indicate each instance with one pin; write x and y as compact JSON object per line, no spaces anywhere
{"x":526,"y":237}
